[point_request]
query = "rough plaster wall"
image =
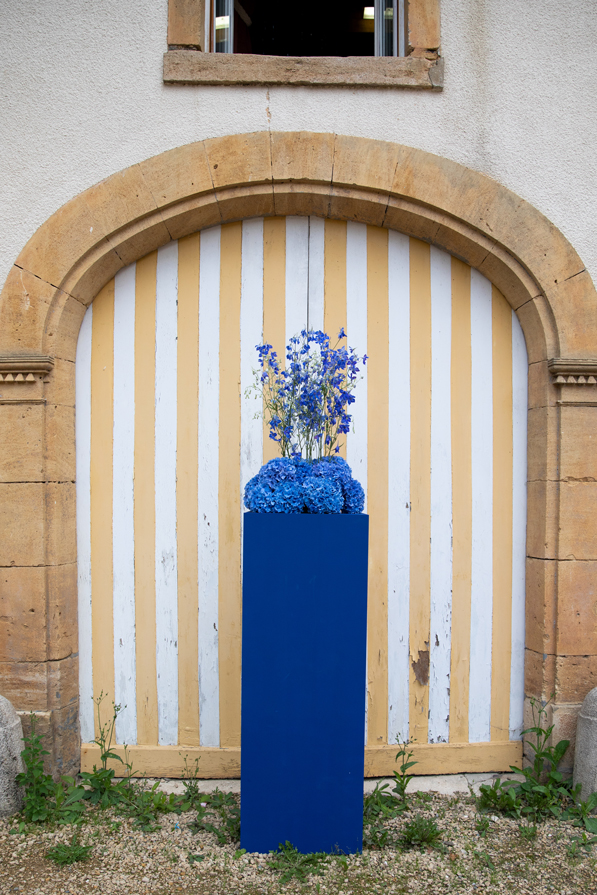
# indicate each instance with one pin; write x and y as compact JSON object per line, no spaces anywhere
{"x":81,"y":96}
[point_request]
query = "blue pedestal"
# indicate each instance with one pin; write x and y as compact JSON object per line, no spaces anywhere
{"x":303,"y":681}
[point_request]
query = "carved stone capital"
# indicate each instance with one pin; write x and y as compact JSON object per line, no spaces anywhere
{"x":25,"y":368}
{"x":569,"y":374}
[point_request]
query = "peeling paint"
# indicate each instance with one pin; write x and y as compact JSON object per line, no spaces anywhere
{"x":421,"y":668}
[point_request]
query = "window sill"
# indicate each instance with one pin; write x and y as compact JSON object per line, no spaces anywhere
{"x":414,"y":72}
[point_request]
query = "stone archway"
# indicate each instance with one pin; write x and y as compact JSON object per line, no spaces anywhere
{"x":121,"y":219}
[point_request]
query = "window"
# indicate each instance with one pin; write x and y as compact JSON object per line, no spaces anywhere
{"x":311,"y":28}
{"x":386,"y":43}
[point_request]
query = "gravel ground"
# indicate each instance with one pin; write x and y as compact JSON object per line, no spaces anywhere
{"x":129,"y":862}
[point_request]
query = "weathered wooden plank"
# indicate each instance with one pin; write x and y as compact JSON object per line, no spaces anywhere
{"x":440,"y":570}
{"x":208,"y":462}
{"x":147,"y":697}
{"x":186,"y":487}
{"x":123,"y":506}
{"x":482,"y":503}
{"x":102,"y":392}
{"x":229,"y":471}
{"x":83,"y":440}
{"x":166,"y":555}
{"x":439,"y":758}
{"x":398,"y":486}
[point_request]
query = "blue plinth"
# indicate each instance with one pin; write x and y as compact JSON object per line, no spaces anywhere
{"x":303,"y":681}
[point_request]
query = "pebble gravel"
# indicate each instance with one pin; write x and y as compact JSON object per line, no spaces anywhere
{"x":174,"y":860}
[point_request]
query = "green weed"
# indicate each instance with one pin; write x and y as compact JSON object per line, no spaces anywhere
{"x":69,"y":854}
{"x":528,"y":831}
{"x":421,"y":832}
{"x":543,"y":792}
{"x":482,"y":826}
{"x":221,"y":807}
{"x":291,"y":864}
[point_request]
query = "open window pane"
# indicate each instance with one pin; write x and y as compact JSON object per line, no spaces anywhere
{"x":308,"y":28}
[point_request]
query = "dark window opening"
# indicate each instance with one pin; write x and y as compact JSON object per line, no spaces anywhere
{"x":309,"y":28}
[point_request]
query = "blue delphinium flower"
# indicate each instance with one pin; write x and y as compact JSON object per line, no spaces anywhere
{"x":322,"y":495}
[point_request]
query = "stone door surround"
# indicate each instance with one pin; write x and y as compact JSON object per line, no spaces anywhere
{"x":121,"y":219}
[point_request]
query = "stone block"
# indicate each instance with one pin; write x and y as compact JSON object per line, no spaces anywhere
{"x":540,"y":605}
{"x":122,"y":199}
{"x":578,"y":512}
{"x":66,"y":740}
{"x":192,"y":215}
{"x":25,"y":684}
{"x":542,"y":392}
{"x":365,"y":165}
{"x":139,"y":238}
{"x":575,"y":676}
{"x":564,"y":718}
{"x":577,"y":609}
{"x":239,"y":159}
{"x":59,"y":244}
{"x":24,"y":304}
{"x":61,"y":540}
{"x":574,"y":303}
{"x":22,"y":524}
{"x":424,"y":24}
{"x":11,"y":763}
{"x":60,"y":385}
{"x":87,"y":279}
{"x":21,"y":440}
{"x":63,"y":682}
{"x":539,"y":674}
{"x":350,"y":205}
{"x":542,"y":508}
{"x":186,"y":23}
{"x":538,"y":335}
{"x":60,"y":443}
{"x":585,"y":755}
{"x":542,"y":451}
{"x":23,"y":614}
{"x":63,"y":324}
{"x":303,"y":156}
{"x":245,"y":202}
{"x":177,"y":175}
{"x":578,"y":443}
{"x":509,"y":276}
{"x":292,"y":198}
{"x":421,"y":223}
{"x":459,"y":240}
{"x":62,"y":610}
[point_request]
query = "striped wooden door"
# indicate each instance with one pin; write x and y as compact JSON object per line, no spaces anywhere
{"x":166,"y":441}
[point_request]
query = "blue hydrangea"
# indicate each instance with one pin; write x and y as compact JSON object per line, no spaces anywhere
{"x":322,"y":495}
{"x":288,"y":498}
{"x":354,"y":498}
{"x":295,"y":485}
{"x":280,"y":469}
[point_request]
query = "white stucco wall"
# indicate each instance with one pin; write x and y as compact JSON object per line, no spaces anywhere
{"x":81,"y":96}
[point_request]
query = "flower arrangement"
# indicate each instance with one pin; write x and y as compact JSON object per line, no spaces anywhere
{"x":307,"y":405}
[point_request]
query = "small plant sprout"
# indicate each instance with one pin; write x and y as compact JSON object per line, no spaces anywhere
{"x":421,"y":832}
{"x":291,"y":864}
{"x":69,"y":854}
